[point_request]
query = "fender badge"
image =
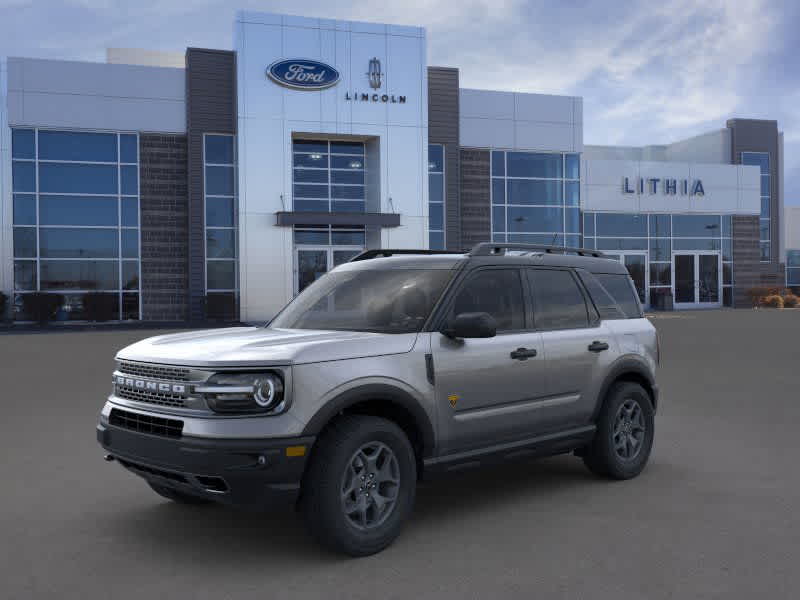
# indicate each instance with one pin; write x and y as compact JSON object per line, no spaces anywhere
{"x":453,"y":400}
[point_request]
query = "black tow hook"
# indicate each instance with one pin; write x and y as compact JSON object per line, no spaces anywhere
{"x":108,"y":457}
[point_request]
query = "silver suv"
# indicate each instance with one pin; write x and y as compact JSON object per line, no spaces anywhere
{"x":397,"y":365}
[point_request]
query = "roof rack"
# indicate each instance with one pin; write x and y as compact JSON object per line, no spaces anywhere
{"x":489,"y":249}
{"x":376,"y":252}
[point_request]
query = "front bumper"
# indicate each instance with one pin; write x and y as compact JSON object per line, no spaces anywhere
{"x":248,"y":473}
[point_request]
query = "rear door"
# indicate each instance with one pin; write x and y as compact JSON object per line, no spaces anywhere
{"x":578,"y":347}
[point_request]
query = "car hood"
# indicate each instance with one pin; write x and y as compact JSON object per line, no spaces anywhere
{"x":254,"y":346}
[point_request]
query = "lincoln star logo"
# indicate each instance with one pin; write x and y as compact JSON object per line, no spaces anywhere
{"x":150,"y":386}
{"x":303,"y":74}
{"x":374,"y":74}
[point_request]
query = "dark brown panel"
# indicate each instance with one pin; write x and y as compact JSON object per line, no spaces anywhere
{"x":476,"y":218}
{"x":288,"y":219}
{"x":210,"y":108}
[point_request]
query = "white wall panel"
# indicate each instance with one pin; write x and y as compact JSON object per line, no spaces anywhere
{"x":486,"y":133}
{"x":540,"y":135}
{"x":486,"y":104}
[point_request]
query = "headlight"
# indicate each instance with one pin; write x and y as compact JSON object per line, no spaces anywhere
{"x":244,"y":393}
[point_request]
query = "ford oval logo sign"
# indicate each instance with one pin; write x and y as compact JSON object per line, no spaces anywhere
{"x":303,"y":74}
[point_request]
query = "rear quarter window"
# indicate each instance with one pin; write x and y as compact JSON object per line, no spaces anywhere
{"x":620,"y":288}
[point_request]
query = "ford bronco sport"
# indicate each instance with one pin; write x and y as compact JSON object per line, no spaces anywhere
{"x":397,"y":365}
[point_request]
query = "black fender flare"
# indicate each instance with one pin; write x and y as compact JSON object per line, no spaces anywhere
{"x":381,"y":393}
{"x":627,"y":366}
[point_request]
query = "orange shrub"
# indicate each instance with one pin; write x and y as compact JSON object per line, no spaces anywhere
{"x":773,"y":301}
{"x":790,"y":301}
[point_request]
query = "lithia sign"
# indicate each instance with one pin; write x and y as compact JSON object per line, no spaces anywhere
{"x":306,"y":74}
{"x":667,"y":186}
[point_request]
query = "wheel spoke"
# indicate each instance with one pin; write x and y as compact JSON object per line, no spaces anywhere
{"x":370,"y":485}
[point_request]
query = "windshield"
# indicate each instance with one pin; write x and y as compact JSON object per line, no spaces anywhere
{"x":384,"y":301}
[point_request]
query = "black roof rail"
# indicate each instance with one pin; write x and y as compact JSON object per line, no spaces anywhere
{"x":490,"y":248}
{"x":376,"y":252}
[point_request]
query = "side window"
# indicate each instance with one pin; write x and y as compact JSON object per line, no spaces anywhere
{"x":497,"y":292}
{"x":621,"y":289}
{"x":558,"y":302}
{"x":606,"y":305}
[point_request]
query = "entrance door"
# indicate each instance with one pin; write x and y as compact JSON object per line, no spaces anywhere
{"x":636,"y":263}
{"x":697,"y":279}
{"x":311,"y":263}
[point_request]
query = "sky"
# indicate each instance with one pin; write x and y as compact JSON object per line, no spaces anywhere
{"x":650,"y":72}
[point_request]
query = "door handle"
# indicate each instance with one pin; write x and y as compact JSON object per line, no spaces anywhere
{"x":596,"y":346}
{"x":523,"y":353}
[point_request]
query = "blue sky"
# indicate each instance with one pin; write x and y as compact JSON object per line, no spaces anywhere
{"x":649,"y":72}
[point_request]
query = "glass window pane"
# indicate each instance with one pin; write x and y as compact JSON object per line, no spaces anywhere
{"x":25,"y":275}
{"x":572,"y":189}
{"x":24,"y":209}
{"x":727,"y":297}
{"x":25,"y":242}
{"x":436,"y":187}
{"x":588,"y":224}
{"x":436,"y":216}
{"x":219,"y":181}
{"x":572,"y":240}
{"x":130,"y":274}
{"x":622,"y":243}
{"x":497,"y":292}
{"x":347,"y":148}
{"x":221,"y":274}
{"x":436,"y":240}
{"x":793,"y":258}
{"x":660,"y":226}
{"x":499,"y":238}
{"x":498,"y":163}
{"x":310,"y":191}
{"x":128,"y":148}
{"x":130,"y":307}
{"x":345,"y":162}
{"x":727,"y":249}
{"x":793,"y":277}
{"x":696,"y":225}
{"x":498,"y":191}
{"x":435,"y":158}
{"x":661,"y":274}
{"x":348,"y":238}
{"x":317,"y":161}
{"x":77,"y":145}
{"x":23,"y":143}
{"x":573,"y":166}
{"x":765,"y":185}
{"x":765,"y":208}
{"x":765,"y":251}
{"x":624,"y":225}
{"x":763,"y":229}
{"x":548,"y":239}
{"x":498,"y":218}
{"x":558,"y":301}
{"x":311,"y":175}
{"x":727,"y":273}
{"x":129,"y":180}
{"x":527,"y":191}
{"x":219,"y":149}
{"x":352,"y":177}
{"x":590,"y":243}
{"x":660,"y":249}
{"x":310,"y":146}
{"x":219,"y":212}
{"x":311,"y":205}
{"x":80,"y":275}
{"x":695,"y":244}
{"x":347,"y":192}
{"x":621,"y":289}
{"x":23,"y":176}
{"x":348,"y":206}
{"x":311,"y":237}
{"x":56,"y":242}
{"x":572,"y":220}
{"x":524,"y":219}
{"x":531,"y":164}
{"x":77,"y":210}
{"x":130,"y":243}
{"x":130,"y":212}
{"x":220,"y":243}
{"x":77,"y":179}
{"x":727,"y":226}
{"x":759,"y":159}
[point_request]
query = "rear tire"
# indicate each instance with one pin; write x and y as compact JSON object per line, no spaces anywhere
{"x":624,"y":436}
{"x":175,"y":495}
{"x":359,"y":488}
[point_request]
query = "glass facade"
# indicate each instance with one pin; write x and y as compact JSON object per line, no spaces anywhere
{"x":793,"y":269}
{"x":535,"y":198}
{"x":761,"y":160}
{"x":76,"y":219}
{"x":436,"y":197}
{"x":658,"y":236}
{"x":328,"y":176}
{"x":222,"y":277}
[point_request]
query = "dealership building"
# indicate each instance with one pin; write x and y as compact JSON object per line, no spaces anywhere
{"x":217,"y":184}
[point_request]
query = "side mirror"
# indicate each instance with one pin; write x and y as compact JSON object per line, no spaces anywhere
{"x":471,"y":325}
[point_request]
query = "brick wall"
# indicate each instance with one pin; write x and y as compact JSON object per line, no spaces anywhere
{"x":165,"y":231}
{"x":476,"y":217}
{"x":748,"y":271}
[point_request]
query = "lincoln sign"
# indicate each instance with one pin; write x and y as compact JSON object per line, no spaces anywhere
{"x":667,"y":186}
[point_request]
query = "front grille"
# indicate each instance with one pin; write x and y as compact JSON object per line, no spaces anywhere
{"x":160,"y":398}
{"x":172,"y":428}
{"x":154,"y":371}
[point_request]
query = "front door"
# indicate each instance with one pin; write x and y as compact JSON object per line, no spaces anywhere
{"x":636,"y":263}
{"x":488,"y":390}
{"x":311,"y":263}
{"x":697,"y":279}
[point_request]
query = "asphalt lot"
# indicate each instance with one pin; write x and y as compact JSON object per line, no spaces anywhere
{"x":715,"y":515}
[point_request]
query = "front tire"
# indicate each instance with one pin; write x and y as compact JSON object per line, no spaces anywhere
{"x":624,"y":436}
{"x":360,"y":485}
